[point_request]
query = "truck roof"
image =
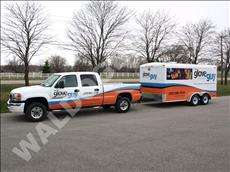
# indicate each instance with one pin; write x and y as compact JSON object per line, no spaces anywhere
{"x":66,"y":73}
{"x":174,"y":64}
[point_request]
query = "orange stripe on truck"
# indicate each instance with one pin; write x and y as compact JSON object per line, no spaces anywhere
{"x":109,"y":98}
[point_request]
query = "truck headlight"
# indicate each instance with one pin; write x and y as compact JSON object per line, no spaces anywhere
{"x":16,"y":96}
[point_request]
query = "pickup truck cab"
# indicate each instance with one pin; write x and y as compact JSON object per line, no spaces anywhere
{"x":71,"y":90}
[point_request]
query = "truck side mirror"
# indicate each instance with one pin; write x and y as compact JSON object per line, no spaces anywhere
{"x":60,"y":84}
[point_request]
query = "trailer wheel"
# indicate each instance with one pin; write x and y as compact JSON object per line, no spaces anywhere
{"x":122,"y":105}
{"x":204,"y":99}
{"x":195,"y":100}
{"x":36,"y":112}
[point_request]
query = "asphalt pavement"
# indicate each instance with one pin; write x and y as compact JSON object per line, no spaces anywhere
{"x":151,"y":137}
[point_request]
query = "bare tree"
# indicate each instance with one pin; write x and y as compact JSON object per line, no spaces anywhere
{"x":96,"y":32}
{"x":221,"y":59}
{"x":125,"y":62}
{"x":226,"y":54}
{"x":155,"y":30}
{"x":57,"y":63}
{"x":217,"y":51}
{"x":176,"y":53}
{"x":23,"y":32}
{"x":81,"y":64}
{"x":196,"y":38}
{"x":221,"y":50}
{"x":15,"y":65}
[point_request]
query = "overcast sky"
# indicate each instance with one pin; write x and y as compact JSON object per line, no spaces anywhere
{"x":60,"y":14}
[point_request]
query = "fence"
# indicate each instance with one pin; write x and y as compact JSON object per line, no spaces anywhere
{"x":32,"y":75}
{"x":39,"y":75}
{"x":104,"y":75}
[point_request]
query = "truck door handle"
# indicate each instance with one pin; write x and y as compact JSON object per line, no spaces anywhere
{"x":96,"y":89}
{"x":76,"y":90}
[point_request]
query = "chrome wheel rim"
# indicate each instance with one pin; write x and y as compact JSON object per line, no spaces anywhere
{"x":195,"y":100}
{"x":124,"y":105}
{"x":36,"y":112}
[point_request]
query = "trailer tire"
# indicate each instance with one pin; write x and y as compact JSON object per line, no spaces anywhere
{"x":122,"y":105}
{"x":36,"y":112}
{"x":195,"y":100}
{"x":204,"y":99}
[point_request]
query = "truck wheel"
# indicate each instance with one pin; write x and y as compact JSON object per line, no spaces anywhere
{"x":36,"y":111}
{"x":122,"y":105}
{"x":195,"y":100}
{"x":204,"y":99}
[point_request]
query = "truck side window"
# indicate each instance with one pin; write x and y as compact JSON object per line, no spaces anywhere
{"x":69,"y":80}
{"x":88,"y":80}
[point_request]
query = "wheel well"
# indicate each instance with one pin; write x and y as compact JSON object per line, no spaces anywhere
{"x":190,"y":97}
{"x":128,"y":95}
{"x":36,"y":99}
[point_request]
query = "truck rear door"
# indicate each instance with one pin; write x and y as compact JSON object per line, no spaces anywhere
{"x":91,"y":90}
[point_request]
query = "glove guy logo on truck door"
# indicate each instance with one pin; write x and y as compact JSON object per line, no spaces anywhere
{"x":62,"y":94}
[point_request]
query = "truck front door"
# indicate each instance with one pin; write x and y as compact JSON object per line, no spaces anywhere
{"x":65,"y":93}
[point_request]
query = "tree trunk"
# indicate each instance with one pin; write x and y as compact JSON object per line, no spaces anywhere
{"x":26,"y":76}
{"x":226,"y":78}
{"x":226,"y":75}
{"x":195,"y":60}
{"x":222,"y":63}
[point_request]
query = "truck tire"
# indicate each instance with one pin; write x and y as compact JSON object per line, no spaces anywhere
{"x":36,"y":112}
{"x":204,"y":99}
{"x":122,"y":105}
{"x":195,"y":100}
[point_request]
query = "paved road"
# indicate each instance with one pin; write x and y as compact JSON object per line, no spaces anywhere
{"x":166,"y":137}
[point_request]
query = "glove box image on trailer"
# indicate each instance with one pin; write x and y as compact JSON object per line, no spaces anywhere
{"x":172,"y":82}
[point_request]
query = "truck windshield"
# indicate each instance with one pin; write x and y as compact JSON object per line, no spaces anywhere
{"x":50,"y":81}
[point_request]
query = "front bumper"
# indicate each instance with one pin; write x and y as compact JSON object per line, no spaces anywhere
{"x":15,"y":107}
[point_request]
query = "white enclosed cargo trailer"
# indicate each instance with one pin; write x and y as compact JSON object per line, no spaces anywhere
{"x":170,"y":82}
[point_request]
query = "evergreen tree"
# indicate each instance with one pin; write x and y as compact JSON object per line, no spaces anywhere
{"x":46,"y":67}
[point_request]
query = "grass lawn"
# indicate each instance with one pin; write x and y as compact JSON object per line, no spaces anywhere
{"x":222,"y":90}
{"x":20,"y":78}
{"x":5,"y":91}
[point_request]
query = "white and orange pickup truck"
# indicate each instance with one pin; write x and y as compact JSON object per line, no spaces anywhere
{"x":71,"y":90}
